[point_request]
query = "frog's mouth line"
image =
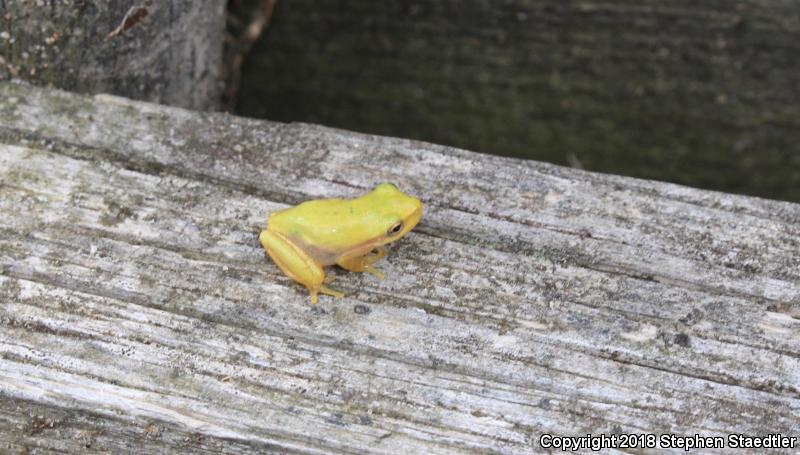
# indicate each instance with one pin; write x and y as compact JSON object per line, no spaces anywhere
{"x":413,"y":220}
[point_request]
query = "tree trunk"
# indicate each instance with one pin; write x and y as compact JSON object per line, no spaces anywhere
{"x":163,"y":51}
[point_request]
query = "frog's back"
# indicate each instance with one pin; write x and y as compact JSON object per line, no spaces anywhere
{"x":311,"y":216}
{"x":332,"y":225}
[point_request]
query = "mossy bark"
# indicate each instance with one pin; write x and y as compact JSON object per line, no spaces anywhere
{"x":168,"y":51}
{"x":701,"y":93}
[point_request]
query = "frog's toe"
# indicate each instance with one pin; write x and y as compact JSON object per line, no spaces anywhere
{"x":377,"y":273}
{"x":329,"y":291}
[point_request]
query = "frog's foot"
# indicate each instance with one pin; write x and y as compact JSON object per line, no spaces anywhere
{"x":377,"y":273}
{"x":364,"y":263}
{"x":324,"y":290}
{"x":369,"y":259}
{"x":329,"y":291}
{"x":374,"y":256}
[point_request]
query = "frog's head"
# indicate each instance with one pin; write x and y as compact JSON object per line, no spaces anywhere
{"x":398,"y":212}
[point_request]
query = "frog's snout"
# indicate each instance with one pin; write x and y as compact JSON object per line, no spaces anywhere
{"x":413,"y":220}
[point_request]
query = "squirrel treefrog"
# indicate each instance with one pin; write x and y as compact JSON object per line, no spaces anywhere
{"x":348,"y":232}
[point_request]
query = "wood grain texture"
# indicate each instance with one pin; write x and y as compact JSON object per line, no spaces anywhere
{"x":165,"y":51}
{"x":140,"y":314}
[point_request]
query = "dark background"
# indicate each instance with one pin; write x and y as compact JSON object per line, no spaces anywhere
{"x":700,"y":93}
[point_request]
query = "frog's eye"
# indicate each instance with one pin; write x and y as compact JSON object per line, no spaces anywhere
{"x":395,"y":229}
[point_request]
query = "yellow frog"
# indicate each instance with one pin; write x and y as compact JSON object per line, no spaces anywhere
{"x":348,"y":232}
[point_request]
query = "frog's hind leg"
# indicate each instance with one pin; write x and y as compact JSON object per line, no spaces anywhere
{"x":364,"y":263}
{"x":296,"y":264}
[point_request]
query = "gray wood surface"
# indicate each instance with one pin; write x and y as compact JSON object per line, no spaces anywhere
{"x":139,"y":314}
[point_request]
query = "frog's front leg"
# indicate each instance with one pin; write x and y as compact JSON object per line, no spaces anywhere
{"x":296,"y":264}
{"x":364,"y":263}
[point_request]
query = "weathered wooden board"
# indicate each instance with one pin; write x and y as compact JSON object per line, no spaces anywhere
{"x":140,"y":314}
